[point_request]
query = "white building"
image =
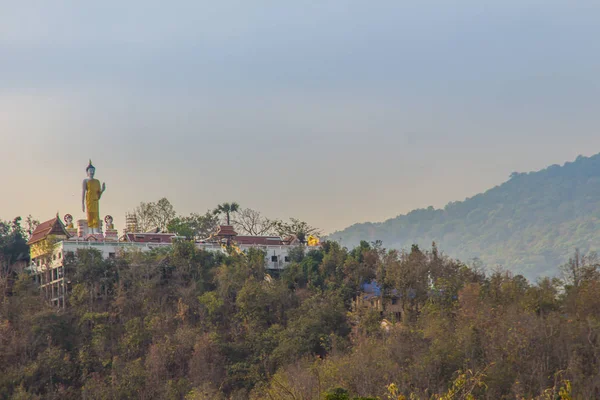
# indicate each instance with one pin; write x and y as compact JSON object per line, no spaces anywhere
{"x":51,"y":242}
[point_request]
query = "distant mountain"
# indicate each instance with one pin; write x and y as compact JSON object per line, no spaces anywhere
{"x":530,"y":224}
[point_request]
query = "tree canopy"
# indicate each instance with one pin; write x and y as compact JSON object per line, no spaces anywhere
{"x":194,"y":226}
{"x":154,"y":215}
{"x":184,"y":323}
{"x":227,"y":209}
{"x":13,"y":241}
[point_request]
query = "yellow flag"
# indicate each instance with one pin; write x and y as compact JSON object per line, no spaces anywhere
{"x":313,"y":240}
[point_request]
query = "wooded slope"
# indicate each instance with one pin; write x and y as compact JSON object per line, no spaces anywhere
{"x":529,"y":224}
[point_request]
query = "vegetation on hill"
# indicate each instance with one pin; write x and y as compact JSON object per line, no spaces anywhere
{"x":529,"y":224}
{"x":183,"y":323}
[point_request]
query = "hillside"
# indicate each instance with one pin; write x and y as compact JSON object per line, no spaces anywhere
{"x":530,"y":224}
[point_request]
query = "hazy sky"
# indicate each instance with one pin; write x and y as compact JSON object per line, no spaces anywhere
{"x":334,"y":112}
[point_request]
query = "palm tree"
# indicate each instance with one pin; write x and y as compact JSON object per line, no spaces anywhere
{"x":227,"y":209}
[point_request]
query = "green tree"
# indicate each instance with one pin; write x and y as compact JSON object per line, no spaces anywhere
{"x":315,"y":326}
{"x":13,"y":244}
{"x":227,"y":209}
{"x":194,"y":226}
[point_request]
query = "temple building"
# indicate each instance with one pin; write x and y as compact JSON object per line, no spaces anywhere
{"x":46,"y":266}
{"x":52,"y":240}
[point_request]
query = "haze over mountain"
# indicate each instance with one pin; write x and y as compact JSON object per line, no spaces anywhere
{"x":530,"y":224}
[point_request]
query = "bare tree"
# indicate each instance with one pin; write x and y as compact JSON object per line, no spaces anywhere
{"x":251,"y":222}
{"x":163,"y":214}
{"x":581,"y":268}
{"x":302,"y":230}
{"x":154,"y":215}
{"x":143,"y":214}
{"x":30,"y":225}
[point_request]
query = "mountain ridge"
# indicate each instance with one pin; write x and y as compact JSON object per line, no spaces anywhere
{"x":529,"y":224}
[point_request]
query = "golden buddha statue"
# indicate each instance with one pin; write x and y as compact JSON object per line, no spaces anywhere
{"x":90,"y":197}
{"x":109,"y":223}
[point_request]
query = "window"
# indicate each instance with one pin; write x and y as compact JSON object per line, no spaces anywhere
{"x":60,"y":255}
{"x":394,"y":300}
{"x":286,"y":259}
{"x":274,"y":258}
{"x":112,"y":255}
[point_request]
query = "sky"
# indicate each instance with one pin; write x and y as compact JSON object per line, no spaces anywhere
{"x":333,"y":112}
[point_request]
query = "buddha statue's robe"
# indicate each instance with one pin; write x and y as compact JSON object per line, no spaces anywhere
{"x":92,"y":197}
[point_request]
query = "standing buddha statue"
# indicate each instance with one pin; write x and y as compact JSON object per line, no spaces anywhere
{"x":90,"y":197}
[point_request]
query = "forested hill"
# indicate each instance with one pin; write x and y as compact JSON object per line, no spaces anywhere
{"x":529,"y":224}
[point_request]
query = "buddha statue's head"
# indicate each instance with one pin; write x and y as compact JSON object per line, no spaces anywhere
{"x":90,"y":170}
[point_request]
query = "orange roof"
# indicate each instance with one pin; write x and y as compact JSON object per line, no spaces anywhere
{"x":150,"y":237}
{"x":226,"y":230}
{"x":53,"y":226}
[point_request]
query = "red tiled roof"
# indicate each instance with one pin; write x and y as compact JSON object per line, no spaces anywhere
{"x":292,"y":239}
{"x":259,"y":240}
{"x":226,"y":230}
{"x":150,"y":237}
{"x":46,"y":228}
